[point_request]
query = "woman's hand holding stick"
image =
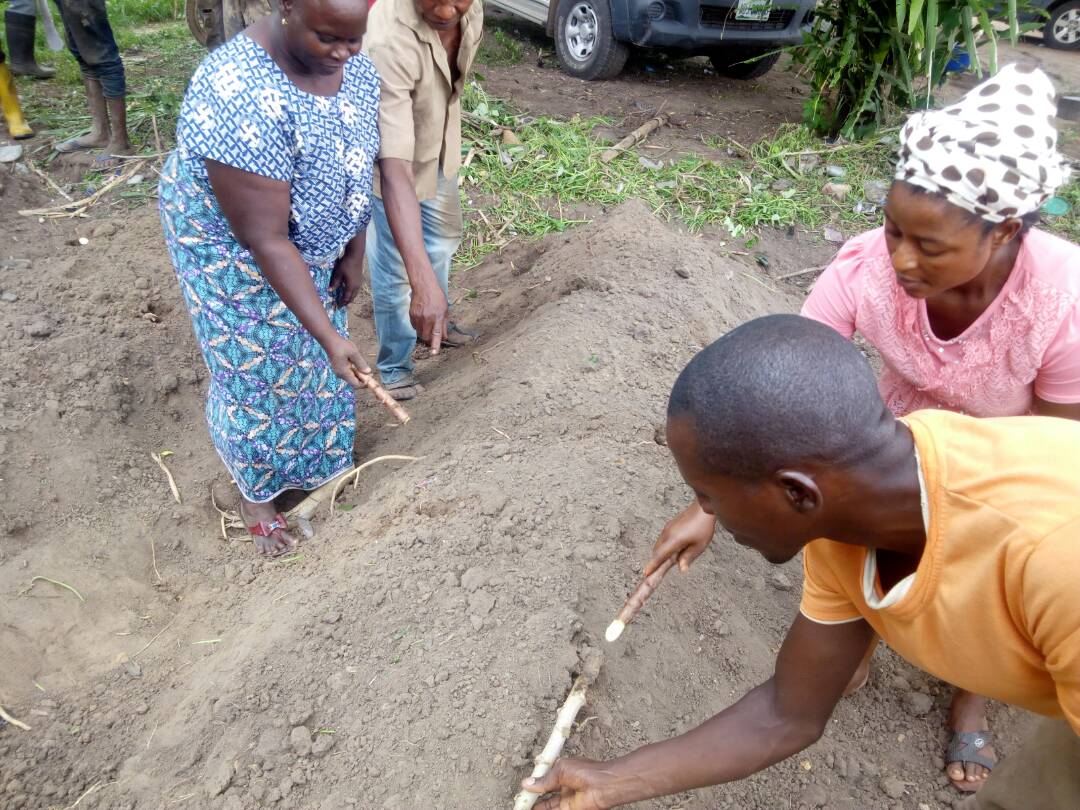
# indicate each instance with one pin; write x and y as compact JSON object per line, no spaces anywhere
{"x":383,"y":396}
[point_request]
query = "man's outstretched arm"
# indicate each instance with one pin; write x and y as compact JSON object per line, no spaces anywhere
{"x":781,"y":717}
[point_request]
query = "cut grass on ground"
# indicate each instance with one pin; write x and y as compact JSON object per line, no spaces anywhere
{"x":523,"y":190}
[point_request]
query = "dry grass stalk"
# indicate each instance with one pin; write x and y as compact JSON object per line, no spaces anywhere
{"x":638,"y":599}
{"x":229,"y":520}
{"x":54,"y":582}
{"x":48,"y":180}
{"x":153,"y":560}
{"x":146,"y":646}
{"x":172,"y":484}
{"x":75,"y":208}
{"x":8,"y":718}
{"x":804,"y":272}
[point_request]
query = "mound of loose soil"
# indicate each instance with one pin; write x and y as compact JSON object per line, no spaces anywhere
{"x":413,"y":654}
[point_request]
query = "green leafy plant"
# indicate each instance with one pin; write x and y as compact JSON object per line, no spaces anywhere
{"x":868,"y":60}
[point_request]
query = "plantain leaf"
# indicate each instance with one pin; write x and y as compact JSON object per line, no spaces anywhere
{"x":914,"y":16}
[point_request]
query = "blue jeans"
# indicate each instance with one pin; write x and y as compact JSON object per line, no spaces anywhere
{"x":390,"y":290}
{"x":90,"y":40}
{"x":27,"y":7}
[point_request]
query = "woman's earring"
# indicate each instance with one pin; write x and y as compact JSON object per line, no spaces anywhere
{"x":284,"y":21}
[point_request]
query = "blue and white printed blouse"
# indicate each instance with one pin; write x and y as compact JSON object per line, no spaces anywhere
{"x":243,"y":111}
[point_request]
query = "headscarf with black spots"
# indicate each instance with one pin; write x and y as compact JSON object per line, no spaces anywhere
{"x":994,"y":152}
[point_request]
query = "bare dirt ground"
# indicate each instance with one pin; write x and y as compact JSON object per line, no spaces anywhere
{"x":705,"y":111}
{"x":414,"y":653}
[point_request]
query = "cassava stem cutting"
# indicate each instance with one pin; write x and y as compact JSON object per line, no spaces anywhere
{"x":638,"y":599}
{"x":383,"y":397}
{"x":564,"y":724}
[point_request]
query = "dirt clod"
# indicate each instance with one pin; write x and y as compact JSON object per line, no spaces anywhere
{"x":39,"y":329}
{"x":780,"y":581}
{"x":892,"y":787}
{"x":300,"y":741}
{"x":918,"y":704}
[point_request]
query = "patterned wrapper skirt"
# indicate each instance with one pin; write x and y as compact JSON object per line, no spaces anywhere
{"x":279,"y":416}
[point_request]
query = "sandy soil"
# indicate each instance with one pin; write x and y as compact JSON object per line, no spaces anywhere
{"x":414,"y":653}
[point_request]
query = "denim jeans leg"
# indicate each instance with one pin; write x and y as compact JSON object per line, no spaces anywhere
{"x":90,"y":40}
{"x":27,"y":7}
{"x":391,"y":295}
{"x":441,"y":221}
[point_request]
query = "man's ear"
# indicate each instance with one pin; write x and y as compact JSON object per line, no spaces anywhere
{"x":800,"y":489}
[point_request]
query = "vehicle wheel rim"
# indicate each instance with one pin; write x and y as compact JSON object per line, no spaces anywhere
{"x":580,"y":32}
{"x":1067,"y":27}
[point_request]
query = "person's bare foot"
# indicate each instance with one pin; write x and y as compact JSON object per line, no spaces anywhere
{"x":111,"y":156}
{"x":967,"y":715}
{"x":117,"y":146}
{"x":274,"y":538}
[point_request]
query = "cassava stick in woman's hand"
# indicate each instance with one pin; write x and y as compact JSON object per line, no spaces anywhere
{"x":638,"y":598}
{"x":381,"y":394}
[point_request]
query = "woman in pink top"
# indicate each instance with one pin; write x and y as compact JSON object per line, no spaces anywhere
{"x":971,"y":308}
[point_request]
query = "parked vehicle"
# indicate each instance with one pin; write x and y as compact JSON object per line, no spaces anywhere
{"x":1062,"y":28}
{"x":593,"y":38}
{"x":212,"y":22}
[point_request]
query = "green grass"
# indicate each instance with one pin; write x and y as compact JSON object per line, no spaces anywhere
{"x":524,"y":191}
{"x":499,"y":48}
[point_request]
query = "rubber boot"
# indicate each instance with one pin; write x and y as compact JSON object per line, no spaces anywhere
{"x":9,"y":101}
{"x":20,"y":39}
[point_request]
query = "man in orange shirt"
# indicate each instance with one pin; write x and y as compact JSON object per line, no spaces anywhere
{"x":956,"y":540}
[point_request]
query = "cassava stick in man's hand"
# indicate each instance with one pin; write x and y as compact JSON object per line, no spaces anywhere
{"x":780,"y":430}
{"x":638,"y":599}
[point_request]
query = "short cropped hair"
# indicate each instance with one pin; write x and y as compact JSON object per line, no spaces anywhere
{"x":777,"y":391}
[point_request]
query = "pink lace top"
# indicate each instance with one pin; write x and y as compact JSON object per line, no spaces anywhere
{"x":1026,"y":344}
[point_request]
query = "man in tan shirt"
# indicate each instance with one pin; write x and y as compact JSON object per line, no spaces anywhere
{"x":423,"y":50}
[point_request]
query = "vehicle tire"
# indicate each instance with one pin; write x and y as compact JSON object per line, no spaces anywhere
{"x":1062,"y":30}
{"x":584,"y":42}
{"x":731,"y":62}
{"x":204,"y":22}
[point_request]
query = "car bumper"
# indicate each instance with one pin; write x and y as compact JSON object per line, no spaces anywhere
{"x":699,"y":27}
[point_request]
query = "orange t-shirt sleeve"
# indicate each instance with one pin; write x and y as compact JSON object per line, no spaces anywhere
{"x":1051,"y":600}
{"x":823,"y":600}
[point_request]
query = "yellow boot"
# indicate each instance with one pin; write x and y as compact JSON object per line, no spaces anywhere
{"x":16,"y":124}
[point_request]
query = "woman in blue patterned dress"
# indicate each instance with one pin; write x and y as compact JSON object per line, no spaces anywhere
{"x":264,"y":203}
